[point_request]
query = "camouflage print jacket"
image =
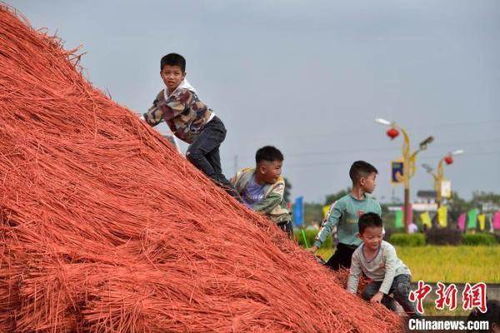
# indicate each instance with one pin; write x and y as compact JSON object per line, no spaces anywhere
{"x":183,"y":112}
{"x":272,"y":205}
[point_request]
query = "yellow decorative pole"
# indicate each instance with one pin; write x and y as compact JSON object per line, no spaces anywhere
{"x":439,"y":175}
{"x":409,"y":160}
{"x":438,"y":182}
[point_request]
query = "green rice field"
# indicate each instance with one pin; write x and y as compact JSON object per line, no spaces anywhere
{"x":449,"y":263}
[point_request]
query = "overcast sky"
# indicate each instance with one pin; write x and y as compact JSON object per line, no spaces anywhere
{"x":310,"y":77}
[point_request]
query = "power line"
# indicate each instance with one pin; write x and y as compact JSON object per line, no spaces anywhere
{"x":426,"y":157}
{"x":342,"y":151}
{"x":387,"y":149}
{"x":441,"y":126}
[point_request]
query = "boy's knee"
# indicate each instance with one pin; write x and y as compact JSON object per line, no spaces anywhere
{"x":402,"y":290}
{"x":194,"y":155}
{"x":367,"y":293}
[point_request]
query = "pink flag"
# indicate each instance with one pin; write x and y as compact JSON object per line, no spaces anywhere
{"x":496,"y":220}
{"x":461,"y":221}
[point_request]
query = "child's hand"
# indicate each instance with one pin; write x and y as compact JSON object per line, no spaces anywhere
{"x":377,"y":298}
{"x":312,"y":249}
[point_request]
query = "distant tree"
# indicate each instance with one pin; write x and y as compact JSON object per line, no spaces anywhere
{"x":458,"y":205}
{"x":331,"y":198}
{"x":313,"y":213}
{"x":481,"y":198}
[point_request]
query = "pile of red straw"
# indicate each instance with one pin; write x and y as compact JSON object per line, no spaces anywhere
{"x":106,"y":228}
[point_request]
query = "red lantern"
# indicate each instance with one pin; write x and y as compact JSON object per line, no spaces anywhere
{"x":448,"y":159}
{"x":392,"y":133}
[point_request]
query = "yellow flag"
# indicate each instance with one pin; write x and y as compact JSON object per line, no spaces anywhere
{"x":326,"y":209}
{"x":443,"y":216}
{"x":482,"y":221}
{"x":426,"y":219}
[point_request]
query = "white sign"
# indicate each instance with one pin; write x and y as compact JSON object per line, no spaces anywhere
{"x":446,"y":188}
{"x":424,"y":207}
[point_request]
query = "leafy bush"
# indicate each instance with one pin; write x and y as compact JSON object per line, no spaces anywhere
{"x":445,"y":236}
{"x":310,"y":236}
{"x":479,"y":239}
{"x":416,"y":239}
{"x":497,"y":237}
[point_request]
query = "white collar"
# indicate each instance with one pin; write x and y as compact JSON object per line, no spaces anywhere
{"x":183,"y":85}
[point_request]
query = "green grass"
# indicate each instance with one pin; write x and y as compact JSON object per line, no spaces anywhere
{"x":449,"y":263}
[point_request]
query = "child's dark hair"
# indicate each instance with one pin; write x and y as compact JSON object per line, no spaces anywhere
{"x":269,"y":154}
{"x":369,"y":220}
{"x":173,"y":59}
{"x":492,"y":314}
{"x":360,"y":169}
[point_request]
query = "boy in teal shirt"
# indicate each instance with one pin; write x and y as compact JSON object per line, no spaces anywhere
{"x":345,"y":212}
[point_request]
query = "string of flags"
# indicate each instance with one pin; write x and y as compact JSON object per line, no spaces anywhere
{"x":472,"y":219}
